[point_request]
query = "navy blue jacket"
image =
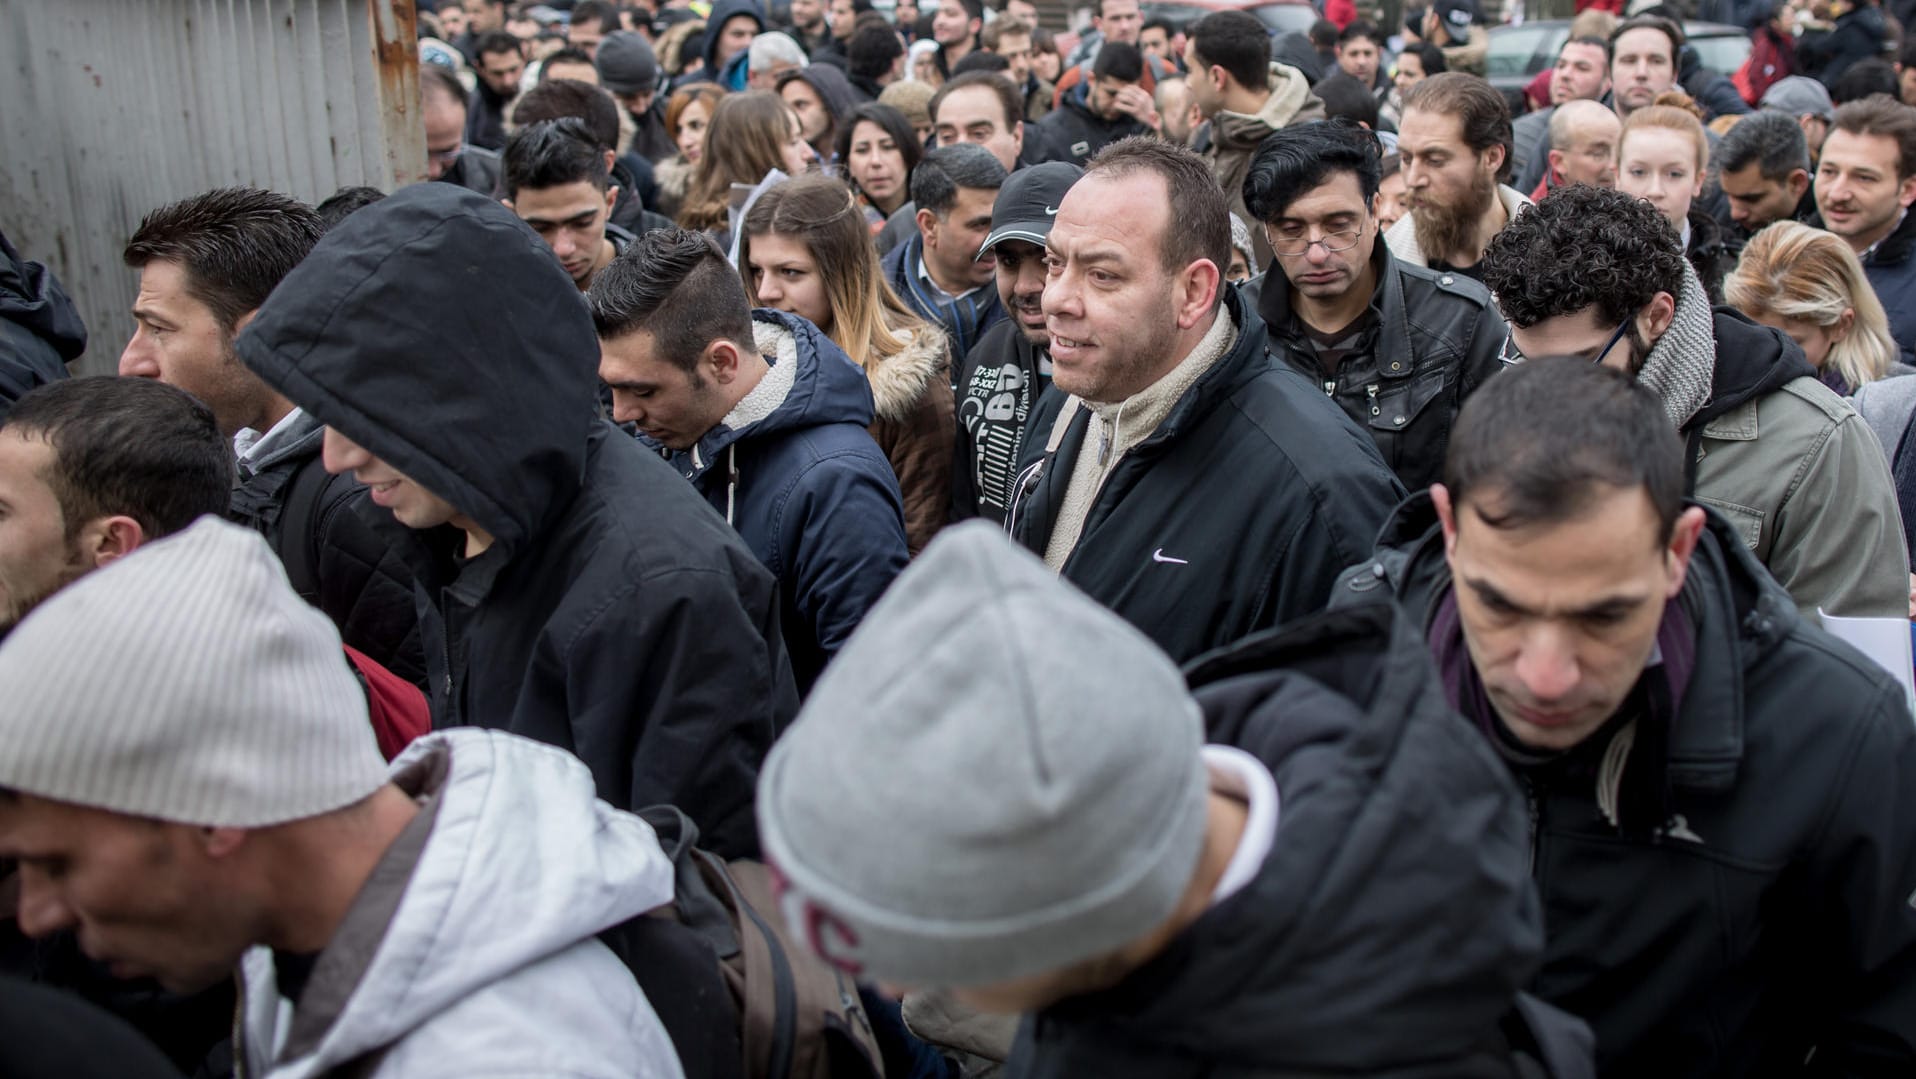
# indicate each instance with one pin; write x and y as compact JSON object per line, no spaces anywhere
{"x":808,"y":490}
{"x":39,"y":329}
{"x":963,"y":320}
{"x":1891,"y":269}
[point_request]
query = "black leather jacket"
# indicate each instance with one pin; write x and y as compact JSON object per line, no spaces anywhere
{"x":1435,"y":338}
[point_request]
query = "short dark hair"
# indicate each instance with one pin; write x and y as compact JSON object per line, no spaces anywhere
{"x":234,"y":243}
{"x":1161,"y":23}
{"x":553,"y":153}
{"x":560,"y":98}
{"x":1359,"y":28}
{"x":567,"y":55}
{"x":1481,"y":110}
{"x":1293,"y":161}
{"x":1009,"y":99}
{"x":1345,"y":98}
{"x":1323,"y":33}
{"x":497,"y":41}
{"x":1773,"y":141}
{"x":1863,"y":78}
{"x":586,"y":10}
{"x":1583,"y":247}
{"x":1881,"y":114}
{"x":128,"y":446}
{"x":892,"y":122}
{"x":981,"y":60}
{"x":676,"y":285}
{"x":871,"y":51}
{"x":1540,"y":439}
{"x":1430,"y":56}
{"x":1906,"y":56}
{"x":1200,"y":216}
{"x":937,"y":179}
{"x":336,"y":206}
{"x":1117,"y":60}
{"x":975,"y":9}
{"x":1667,"y":27}
{"x":1236,"y":42}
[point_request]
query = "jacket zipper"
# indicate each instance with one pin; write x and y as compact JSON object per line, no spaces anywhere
{"x":1535,"y":808}
{"x":1330,"y":387}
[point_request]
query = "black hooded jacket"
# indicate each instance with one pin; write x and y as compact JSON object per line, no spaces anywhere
{"x":1391,"y":926}
{"x":40,"y":331}
{"x":1072,"y":132}
{"x":1771,"y":913}
{"x":615,"y":614}
{"x":1235,"y":515}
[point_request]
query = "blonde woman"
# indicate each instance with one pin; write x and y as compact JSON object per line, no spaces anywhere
{"x":805,"y":248}
{"x":1809,"y":284}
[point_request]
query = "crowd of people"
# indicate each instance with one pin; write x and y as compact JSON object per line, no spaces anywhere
{"x":844,"y":543}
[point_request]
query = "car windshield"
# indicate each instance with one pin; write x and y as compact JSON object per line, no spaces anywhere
{"x":1282,"y":18}
{"x":1524,"y":50}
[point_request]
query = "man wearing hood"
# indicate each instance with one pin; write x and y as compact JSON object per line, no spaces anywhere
{"x":629,"y":71}
{"x":768,"y":420}
{"x":1601,"y":275}
{"x":574,"y":589}
{"x":40,"y":330}
{"x":1722,"y":798}
{"x":1244,"y":97}
{"x":219,"y":805}
{"x":728,"y":43}
{"x":1161,"y":907}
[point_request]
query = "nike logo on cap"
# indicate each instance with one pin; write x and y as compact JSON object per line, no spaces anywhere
{"x":1159,"y":556}
{"x":1051,"y":211}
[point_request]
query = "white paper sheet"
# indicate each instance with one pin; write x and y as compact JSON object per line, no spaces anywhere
{"x":1885,"y":640}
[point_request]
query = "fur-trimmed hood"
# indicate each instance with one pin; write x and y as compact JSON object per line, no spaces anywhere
{"x":901,"y":381}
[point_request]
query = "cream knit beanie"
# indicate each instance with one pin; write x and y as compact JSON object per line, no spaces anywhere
{"x":187,"y":682}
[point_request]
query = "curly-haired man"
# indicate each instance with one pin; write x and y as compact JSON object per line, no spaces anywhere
{"x":1599,"y":275}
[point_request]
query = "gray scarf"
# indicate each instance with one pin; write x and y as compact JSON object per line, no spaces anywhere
{"x":1682,"y":364}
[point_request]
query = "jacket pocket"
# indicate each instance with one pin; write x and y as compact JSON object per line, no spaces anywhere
{"x":1747,"y":522}
{"x":1397,"y":406}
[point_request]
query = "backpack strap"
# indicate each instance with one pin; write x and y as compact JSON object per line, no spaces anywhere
{"x":297,"y":541}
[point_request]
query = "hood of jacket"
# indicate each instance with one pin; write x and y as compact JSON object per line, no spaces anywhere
{"x":715,"y":24}
{"x":1291,"y":101}
{"x":30,"y":297}
{"x":415,"y":945}
{"x":439,"y":302}
{"x":834,"y":89}
{"x":1313,"y":967}
{"x":1751,"y":361}
{"x":812,"y":383}
{"x":899,"y":382}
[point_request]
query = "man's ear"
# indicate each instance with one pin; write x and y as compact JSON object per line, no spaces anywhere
{"x":1446,"y":516}
{"x":1018,"y":136}
{"x":611,"y":198}
{"x":1196,"y":292}
{"x":1655,"y":318}
{"x":1556,"y":161}
{"x":109,"y":539}
{"x":1798,"y":182}
{"x":927,"y":226}
{"x":721,"y":360}
{"x":244,"y":321}
{"x":1683,"y":540}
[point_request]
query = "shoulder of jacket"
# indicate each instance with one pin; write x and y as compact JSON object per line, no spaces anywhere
{"x":1818,"y":401}
{"x":1423,"y":278}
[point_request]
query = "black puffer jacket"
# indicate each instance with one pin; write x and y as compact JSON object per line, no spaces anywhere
{"x":1235,"y":515}
{"x":1859,"y":34}
{"x":40,"y":331}
{"x":615,"y":614}
{"x":1392,"y":925}
{"x":347,"y":559}
{"x":1770,"y":914}
{"x":1074,"y":133}
{"x":1436,"y":337}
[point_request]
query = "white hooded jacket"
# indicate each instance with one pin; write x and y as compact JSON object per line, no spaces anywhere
{"x":472,"y":950}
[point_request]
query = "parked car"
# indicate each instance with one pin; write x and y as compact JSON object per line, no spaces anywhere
{"x":1518,"y":53}
{"x":1281,"y":16}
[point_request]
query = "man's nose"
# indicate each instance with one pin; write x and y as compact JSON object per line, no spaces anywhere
{"x":1547,"y":667}
{"x":41,"y":909}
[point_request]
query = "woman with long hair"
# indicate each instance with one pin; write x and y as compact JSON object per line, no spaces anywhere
{"x":804,"y":248}
{"x":688,"y":112}
{"x":1809,"y":284}
{"x":750,"y":135}
{"x":1663,"y":157}
{"x":877,"y":150}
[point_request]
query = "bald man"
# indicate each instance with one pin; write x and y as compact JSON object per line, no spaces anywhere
{"x":1583,"y":147}
{"x":1178,"y":110}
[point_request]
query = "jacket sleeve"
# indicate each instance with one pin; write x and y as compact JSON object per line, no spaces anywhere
{"x":366,"y":587}
{"x":1486,"y":355}
{"x":1839,"y":534}
{"x":1862,"y":892}
{"x":1339,"y":532}
{"x":844,"y":533}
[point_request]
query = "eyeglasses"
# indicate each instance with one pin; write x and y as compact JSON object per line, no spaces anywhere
{"x":1511,"y":355}
{"x":1291,"y":247}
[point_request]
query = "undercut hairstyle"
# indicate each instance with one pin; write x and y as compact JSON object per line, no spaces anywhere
{"x":1200,"y":217}
{"x":337,"y":206}
{"x":981,"y":60}
{"x":1003,"y":27}
{"x":1117,"y":60}
{"x":1345,"y":98}
{"x":1580,"y":248}
{"x":553,"y":153}
{"x":871,"y":51}
{"x":1772,"y":141}
{"x":438,"y":81}
{"x":1236,"y":42}
{"x":1667,"y":27}
{"x":1538,"y":444}
{"x":603,"y":13}
{"x":234,"y":244}
{"x":937,"y":179}
{"x":1863,"y":78}
{"x":676,"y":285}
{"x":1010,"y":102}
{"x":772,"y":48}
{"x":1359,"y":29}
{"x":561,"y":98}
{"x":131,"y":447}
{"x":1484,"y":116}
{"x":1294,"y":161}
{"x":494,"y":42}
{"x":567,"y":55}
{"x":891,"y":122}
{"x":1881,"y":114}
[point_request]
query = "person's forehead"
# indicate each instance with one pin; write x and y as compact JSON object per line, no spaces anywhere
{"x":971,"y":105}
{"x":777,"y":249}
{"x":738,"y":23}
{"x":1338,"y":194}
{"x":573,"y":70}
{"x":1642,"y":41}
{"x":499,"y":61}
{"x":163,"y":285}
{"x":974,"y":199}
{"x":1601,"y":124}
{"x":1747,"y":180}
{"x":1101,"y":210}
{"x":24,"y":461}
{"x":1854,"y":148}
{"x":1580,"y":52}
{"x":559,"y":203}
{"x":1586,"y":558}
{"x":1658,"y":144}
{"x":1116,"y":8}
{"x":1428,"y":129}
{"x":630,"y":356}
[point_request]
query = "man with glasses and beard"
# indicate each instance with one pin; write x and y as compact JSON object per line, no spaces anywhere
{"x":1600,"y":275}
{"x":1397,"y":346}
{"x":1455,"y":146}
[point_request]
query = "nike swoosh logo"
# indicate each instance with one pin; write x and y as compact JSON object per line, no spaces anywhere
{"x":1051,"y":211}
{"x":1159,"y":556}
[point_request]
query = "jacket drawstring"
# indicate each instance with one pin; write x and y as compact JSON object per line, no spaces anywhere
{"x":731,"y":481}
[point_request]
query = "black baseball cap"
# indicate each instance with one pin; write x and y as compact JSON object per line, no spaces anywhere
{"x":1028,"y":203}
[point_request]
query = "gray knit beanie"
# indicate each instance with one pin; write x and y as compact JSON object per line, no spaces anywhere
{"x":187,"y":682}
{"x":995,"y":778}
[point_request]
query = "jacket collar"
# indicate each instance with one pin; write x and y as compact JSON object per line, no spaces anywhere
{"x":1386,"y":302}
{"x":1895,"y":249}
{"x":1243,"y":361}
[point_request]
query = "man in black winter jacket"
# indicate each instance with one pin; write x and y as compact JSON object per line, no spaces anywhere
{"x":40,"y":331}
{"x":584,"y":595}
{"x":206,"y":264}
{"x":1333,"y":886}
{"x":1398,"y":347}
{"x":1109,"y":106}
{"x":1722,"y":797}
{"x":1188,"y":483}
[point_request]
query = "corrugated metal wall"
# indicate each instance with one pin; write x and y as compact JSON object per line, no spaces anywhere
{"x":110,"y":108}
